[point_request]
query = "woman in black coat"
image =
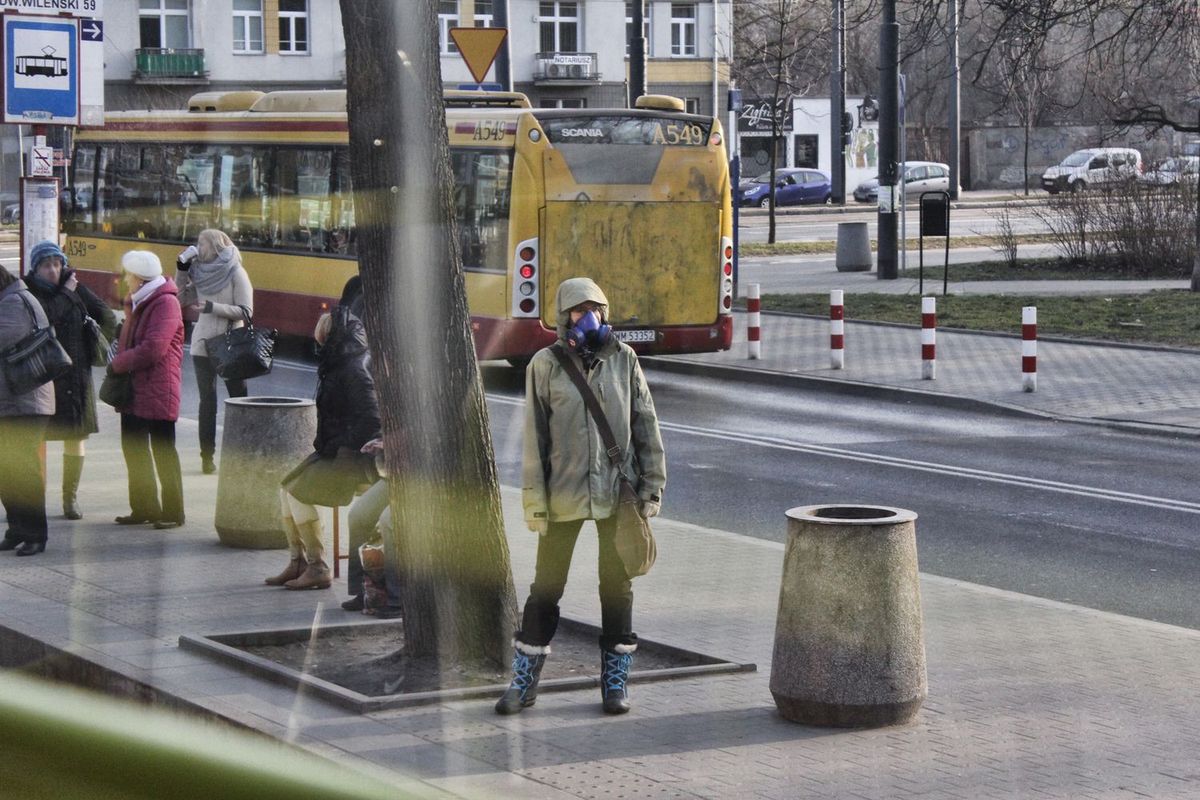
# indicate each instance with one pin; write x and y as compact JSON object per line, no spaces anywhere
{"x":75,"y":312}
{"x":347,"y":418}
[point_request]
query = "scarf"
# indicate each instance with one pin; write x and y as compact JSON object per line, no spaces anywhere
{"x":147,"y":289}
{"x":210,"y":277}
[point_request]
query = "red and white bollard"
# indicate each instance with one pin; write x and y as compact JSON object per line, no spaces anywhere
{"x":753,"y":321}
{"x":837,"y":330}
{"x":1029,"y":348}
{"x":928,"y":338}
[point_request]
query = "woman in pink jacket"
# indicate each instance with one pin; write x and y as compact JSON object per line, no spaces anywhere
{"x":151,"y":349}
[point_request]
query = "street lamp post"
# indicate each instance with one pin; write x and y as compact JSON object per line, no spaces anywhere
{"x":889,"y":118}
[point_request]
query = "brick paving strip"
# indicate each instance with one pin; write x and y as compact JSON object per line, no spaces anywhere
{"x":1027,"y":697}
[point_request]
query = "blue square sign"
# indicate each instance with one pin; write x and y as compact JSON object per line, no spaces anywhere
{"x":41,"y":70}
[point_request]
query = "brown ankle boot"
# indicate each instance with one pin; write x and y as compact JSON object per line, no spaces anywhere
{"x":315,"y":577}
{"x":293,"y":570}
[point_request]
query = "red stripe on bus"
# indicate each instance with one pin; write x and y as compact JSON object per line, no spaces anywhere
{"x":229,"y":125}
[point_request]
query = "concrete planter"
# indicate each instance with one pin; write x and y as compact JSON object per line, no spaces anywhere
{"x":849,"y":648}
{"x":853,"y":247}
{"x":264,"y":438}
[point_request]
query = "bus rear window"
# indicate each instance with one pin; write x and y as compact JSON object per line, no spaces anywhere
{"x":614,"y":129}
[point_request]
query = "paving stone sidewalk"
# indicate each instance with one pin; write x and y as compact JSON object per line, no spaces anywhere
{"x":1141,"y":386}
{"x":1027,"y":698}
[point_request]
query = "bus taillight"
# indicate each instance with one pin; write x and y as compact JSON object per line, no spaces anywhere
{"x":725,"y":258}
{"x":525,"y":280}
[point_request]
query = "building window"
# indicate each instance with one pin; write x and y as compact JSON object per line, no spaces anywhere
{"x":447,"y":19}
{"x":629,"y":26}
{"x":483,"y":13}
{"x":293,"y":26}
{"x":164,"y":23}
{"x":563,"y":102}
{"x":683,"y":29}
{"x":247,"y":26}
{"x":692,"y":105}
{"x":558,"y":25}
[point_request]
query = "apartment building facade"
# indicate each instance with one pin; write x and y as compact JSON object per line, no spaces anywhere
{"x":563,"y":53}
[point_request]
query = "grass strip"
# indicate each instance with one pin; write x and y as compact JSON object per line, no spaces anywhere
{"x":1168,"y":317}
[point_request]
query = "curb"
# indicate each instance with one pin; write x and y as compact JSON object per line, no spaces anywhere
{"x":796,"y":211}
{"x":876,"y":391}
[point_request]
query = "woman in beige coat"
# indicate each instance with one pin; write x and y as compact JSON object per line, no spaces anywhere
{"x":213,"y":282}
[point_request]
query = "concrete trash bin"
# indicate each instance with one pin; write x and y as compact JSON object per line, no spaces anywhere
{"x":264,"y":438}
{"x":853,"y":247}
{"x":849,"y":647}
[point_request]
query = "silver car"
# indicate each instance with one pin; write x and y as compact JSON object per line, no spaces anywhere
{"x":919,"y":177}
{"x":1172,"y":171}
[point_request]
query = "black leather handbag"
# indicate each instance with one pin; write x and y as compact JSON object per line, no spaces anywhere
{"x":242,"y":353}
{"x":117,"y":390}
{"x":35,"y":360}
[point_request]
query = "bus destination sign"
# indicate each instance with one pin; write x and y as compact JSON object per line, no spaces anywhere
{"x":617,"y":129}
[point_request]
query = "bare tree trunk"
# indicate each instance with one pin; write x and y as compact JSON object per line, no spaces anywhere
{"x":449,"y":536}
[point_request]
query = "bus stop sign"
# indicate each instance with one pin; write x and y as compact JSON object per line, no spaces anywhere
{"x":478,"y":47}
{"x":41,"y":70}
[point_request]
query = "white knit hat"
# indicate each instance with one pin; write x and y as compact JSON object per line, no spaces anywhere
{"x":142,"y":263}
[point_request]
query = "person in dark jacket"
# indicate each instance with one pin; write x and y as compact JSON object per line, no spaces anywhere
{"x":150,"y":349}
{"x":77,"y":315}
{"x":347,"y":418}
{"x":22,"y":427}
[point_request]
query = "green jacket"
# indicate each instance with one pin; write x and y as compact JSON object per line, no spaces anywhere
{"x":566,"y":473}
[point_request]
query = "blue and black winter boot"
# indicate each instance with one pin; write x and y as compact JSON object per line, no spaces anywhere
{"x":615,"y":676}
{"x":528,"y":660}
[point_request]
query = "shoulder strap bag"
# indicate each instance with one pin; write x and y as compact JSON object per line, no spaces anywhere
{"x":634,"y":539}
{"x":242,"y":353}
{"x":35,"y":360}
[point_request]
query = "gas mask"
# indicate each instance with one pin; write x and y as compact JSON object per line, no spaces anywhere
{"x":589,"y":334}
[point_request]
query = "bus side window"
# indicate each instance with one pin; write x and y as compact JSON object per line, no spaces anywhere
{"x":188,"y":181}
{"x":129,"y":190}
{"x":302,"y":212}
{"x":482,"y":189}
{"x":242,"y":196}
{"x":79,"y":215}
{"x":341,"y":239}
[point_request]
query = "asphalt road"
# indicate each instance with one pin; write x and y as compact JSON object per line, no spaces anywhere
{"x":1067,"y":512}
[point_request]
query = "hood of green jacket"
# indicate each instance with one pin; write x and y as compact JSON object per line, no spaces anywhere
{"x":571,"y":293}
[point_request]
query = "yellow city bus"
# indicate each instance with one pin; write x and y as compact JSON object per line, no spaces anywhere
{"x":638,"y":199}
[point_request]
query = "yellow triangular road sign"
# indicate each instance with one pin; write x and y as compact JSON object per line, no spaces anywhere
{"x":478,"y":47}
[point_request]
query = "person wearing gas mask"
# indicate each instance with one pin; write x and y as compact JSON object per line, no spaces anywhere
{"x":567,"y":478}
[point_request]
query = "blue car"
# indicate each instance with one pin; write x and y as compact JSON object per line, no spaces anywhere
{"x":793,"y":187}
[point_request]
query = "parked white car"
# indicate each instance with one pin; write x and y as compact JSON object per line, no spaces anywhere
{"x":918,"y":177}
{"x":1173,"y":171}
{"x":1095,"y":166}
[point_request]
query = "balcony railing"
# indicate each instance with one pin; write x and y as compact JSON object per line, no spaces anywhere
{"x":563,"y":68}
{"x":170,"y":65}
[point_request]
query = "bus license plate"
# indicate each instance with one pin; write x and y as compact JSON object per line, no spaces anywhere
{"x":635,"y":336}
